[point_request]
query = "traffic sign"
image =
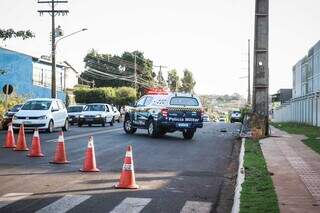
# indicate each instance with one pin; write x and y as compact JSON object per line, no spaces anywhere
{"x":7,"y":89}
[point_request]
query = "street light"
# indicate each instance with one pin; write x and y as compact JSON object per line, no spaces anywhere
{"x":53,"y":61}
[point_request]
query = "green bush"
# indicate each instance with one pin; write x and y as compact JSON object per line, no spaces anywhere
{"x":118,"y":96}
{"x":125,"y":95}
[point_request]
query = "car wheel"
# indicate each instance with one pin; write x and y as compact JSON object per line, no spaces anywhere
{"x":162,"y":132}
{"x":112,"y":121}
{"x":153,"y":130}
{"x":89,"y":125}
{"x":127,"y":126}
{"x":71,"y":123}
{"x":188,"y":134}
{"x":79,"y":124}
{"x":50,"y":126}
{"x":66,"y":126}
{"x":104,"y":122}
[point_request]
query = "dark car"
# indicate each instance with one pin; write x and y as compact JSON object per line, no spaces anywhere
{"x":159,"y":114}
{"x":7,"y":118}
{"x":74,"y":112}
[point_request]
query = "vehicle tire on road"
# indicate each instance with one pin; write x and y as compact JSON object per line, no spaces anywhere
{"x":153,"y":129}
{"x":127,"y":126}
{"x":65,"y":128}
{"x":112,"y":121}
{"x":79,"y":124}
{"x":188,"y":134}
{"x":104,"y":122}
{"x":50,"y":126}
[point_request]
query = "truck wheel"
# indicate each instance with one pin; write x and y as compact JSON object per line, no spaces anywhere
{"x":188,"y":134}
{"x":153,"y":130}
{"x":127,"y":126}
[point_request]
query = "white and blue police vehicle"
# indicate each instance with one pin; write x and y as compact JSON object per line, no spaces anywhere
{"x":163,"y":113}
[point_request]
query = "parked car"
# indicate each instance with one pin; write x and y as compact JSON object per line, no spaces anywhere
{"x":222,"y":120}
{"x":235,"y":116}
{"x":97,"y":113}
{"x":116,"y":114}
{"x":74,"y":112}
{"x":42,"y":113}
{"x":160,"y":114}
{"x":7,"y":118}
{"x":206,"y":118}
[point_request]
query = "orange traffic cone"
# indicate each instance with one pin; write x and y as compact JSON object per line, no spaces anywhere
{"x":127,"y":178}
{"x":89,"y":164}
{"x":60,"y":157}
{"x":36,"y":146}
{"x":21,"y":143}
{"x":10,"y":141}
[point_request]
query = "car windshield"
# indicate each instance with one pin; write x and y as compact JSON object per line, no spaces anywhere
{"x":75,"y":109}
{"x":36,"y":105}
{"x":16,"y":108}
{"x":184,"y":101}
{"x":94,"y":108}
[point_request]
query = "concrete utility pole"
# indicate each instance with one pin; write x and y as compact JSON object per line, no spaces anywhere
{"x":53,"y":13}
{"x":249,"y":77}
{"x":261,"y":67}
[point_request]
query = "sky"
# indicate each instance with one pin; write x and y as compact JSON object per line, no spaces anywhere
{"x":208,"y":37}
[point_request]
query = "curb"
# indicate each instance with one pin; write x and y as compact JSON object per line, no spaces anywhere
{"x":240,"y":180}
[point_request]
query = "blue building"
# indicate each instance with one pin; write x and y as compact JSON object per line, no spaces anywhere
{"x":30,"y":76}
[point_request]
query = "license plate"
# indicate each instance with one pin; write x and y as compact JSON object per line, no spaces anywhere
{"x":70,"y":119}
{"x":26,"y":122}
{"x":89,"y":119}
{"x":183,"y":125}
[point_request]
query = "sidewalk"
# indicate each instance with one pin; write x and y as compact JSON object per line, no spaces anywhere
{"x":296,"y":170}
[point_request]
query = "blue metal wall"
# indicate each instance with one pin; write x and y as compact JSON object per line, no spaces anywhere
{"x":18,"y":72}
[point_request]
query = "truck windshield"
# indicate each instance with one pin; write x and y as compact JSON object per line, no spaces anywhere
{"x":184,"y":101}
{"x":36,"y":105}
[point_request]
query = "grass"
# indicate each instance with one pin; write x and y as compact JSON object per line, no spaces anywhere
{"x":258,"y":194}
{"x":311,"y":132}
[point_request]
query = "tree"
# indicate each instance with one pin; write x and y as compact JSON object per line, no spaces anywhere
{"x":7,"y":34}
{"x":160,"y":80}
{"x":173,"y":80}
{"x":188,"y":82}
{"x":117,"y":71}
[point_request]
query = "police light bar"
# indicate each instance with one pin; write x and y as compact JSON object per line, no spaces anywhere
{"x":157,"y":91}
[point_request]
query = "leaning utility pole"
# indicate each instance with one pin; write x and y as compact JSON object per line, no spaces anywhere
{"x":53,"y":13}
{"x":249,"y":77}
{"x":261,"y":67}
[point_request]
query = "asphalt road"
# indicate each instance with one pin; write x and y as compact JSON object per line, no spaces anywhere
{"x":174,"y":175}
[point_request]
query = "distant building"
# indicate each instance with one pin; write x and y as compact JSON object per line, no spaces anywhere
{"x":31,"y":76}
{"x":306,"y":73}
{"x":282,"y":96}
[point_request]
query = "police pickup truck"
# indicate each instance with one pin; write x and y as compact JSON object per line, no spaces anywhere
{"x":164,"y":113}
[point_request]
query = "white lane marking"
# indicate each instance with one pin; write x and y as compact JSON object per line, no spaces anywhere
{"x":196,"y":207}
{"x":132,"y":205}
{"x":64,"y":204}
{"x":11,"y":198}
{"x":86,"y":134}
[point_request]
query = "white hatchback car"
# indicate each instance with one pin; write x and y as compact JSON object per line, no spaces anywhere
{"x":42,"y":113}
{"x":96,"y":113}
